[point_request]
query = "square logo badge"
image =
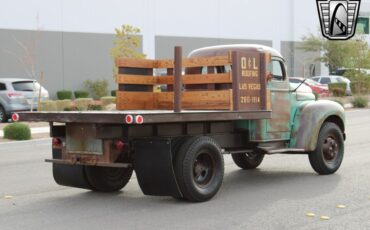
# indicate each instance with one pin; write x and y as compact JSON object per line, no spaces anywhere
{"x":338,"y":18}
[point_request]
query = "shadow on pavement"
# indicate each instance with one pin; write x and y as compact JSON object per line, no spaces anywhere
{"x":253,"y":188}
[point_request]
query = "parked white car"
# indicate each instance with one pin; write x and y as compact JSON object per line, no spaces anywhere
{"x":19,"y":95}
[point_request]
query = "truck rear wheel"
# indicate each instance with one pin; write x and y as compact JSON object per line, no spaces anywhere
{"x":247,"y":160}
{"x":107,"y":179}
{"x":199,"y":168}
{"x":70,"y":175}
{"x":328,"y":155}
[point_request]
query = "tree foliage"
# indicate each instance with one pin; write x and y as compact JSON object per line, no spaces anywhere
{"x":352,"y":53}
{"x":98,"y":88}
{"x":127,"y":43}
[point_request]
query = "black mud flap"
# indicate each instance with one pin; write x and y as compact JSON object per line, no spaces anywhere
{"x":69,"y":175}
{"x":154,"y":167}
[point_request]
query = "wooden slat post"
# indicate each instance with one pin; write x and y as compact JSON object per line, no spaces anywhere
{"x":235,"y":76}
{"x":177,"y":87}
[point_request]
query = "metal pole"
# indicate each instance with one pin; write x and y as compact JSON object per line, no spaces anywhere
{"x":177,"y":86}
{"x":39,"y":99}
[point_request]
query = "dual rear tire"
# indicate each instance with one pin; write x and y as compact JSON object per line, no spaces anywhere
{"x":100,"y":179}
{"x":199,"y":168}
{"x":107,"y":179}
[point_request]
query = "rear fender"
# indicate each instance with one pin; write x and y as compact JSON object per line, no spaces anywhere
{"x":309,"y":119}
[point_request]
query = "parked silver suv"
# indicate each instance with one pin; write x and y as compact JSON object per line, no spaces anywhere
{"x":17,"y":95}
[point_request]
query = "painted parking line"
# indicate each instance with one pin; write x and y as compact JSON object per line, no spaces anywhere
{"x":25,"y":142}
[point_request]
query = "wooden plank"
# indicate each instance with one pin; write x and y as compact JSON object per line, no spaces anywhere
{"x":169,"y":63}
{"x":135,"y":63}
{"x":164,"y":64}
{"x":197,"y":79}
{"x":164,"y":100}
{"x":135,"y":100}
{"x":219,"y":99}
{"x":135,"y":79}
{"x":206,"y":61}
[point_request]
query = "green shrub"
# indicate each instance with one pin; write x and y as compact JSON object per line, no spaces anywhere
{"x":360,"y":102}
{"x":360,"y":86}
{"x":337,"y":92}
{"x":360,"y":81}
{"x":83,"y":103}
{"x":48,"y":105}
{"x":108,"y":100}
{"x":95,"y":107}
{"x":81,"y":94}
{"x":113,"y":93}
{"x":64,"y":94}
{"x":338,"y":89}
{"x":17,"y":131}
{"x":62,"y":104}
{"x":72,"y":108}
{"x":98,"y":88}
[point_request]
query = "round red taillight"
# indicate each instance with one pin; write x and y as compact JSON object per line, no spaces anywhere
{"x":57,"y":142}
{"x":139,"y":119}
{"x":129,"y":119}
{"x":120,"y":145}
{"x":15,"y":117}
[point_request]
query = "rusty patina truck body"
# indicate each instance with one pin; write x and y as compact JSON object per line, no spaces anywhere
{"x":233,"y":99}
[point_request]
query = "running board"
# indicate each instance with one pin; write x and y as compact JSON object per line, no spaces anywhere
{"x":265,"y":151}
{"x":275,"y":151}
{"x":68,"y":162}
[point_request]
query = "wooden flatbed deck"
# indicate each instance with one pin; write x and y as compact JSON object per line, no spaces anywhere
{"x":149,"y":116}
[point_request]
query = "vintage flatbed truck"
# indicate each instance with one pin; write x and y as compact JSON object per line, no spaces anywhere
{"x":233,"y":99}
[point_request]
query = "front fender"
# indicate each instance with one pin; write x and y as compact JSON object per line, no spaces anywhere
{"x":308,"y":120}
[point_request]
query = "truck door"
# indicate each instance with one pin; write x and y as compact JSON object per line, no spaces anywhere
{"x":279,"y":126}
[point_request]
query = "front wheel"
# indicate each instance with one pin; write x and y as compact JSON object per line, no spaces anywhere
{"x":199,"y":168}
{"x":328,"y":155}
{"x":248,"y":160}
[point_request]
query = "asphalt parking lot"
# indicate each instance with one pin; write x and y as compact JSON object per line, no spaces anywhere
{"x":278,"y":195}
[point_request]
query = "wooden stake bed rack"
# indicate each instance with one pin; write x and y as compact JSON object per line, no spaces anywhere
{"x":206,"y":85}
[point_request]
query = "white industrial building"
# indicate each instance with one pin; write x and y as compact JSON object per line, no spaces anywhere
{"x":69,"y":40}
